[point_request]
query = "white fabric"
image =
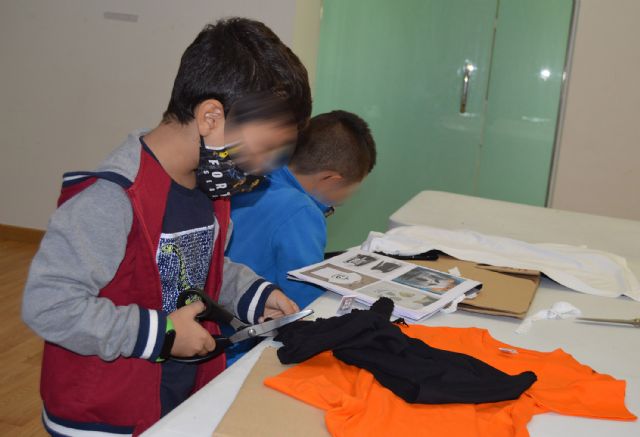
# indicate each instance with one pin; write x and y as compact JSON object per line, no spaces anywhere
{"x":578,"y":268}
{"x":559,"y":310}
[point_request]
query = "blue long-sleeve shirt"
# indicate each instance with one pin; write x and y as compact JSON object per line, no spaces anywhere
{"x":277,"y":228}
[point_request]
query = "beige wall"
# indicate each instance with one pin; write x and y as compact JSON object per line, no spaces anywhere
{"x":73,"y":84}
{"x":306,"y":35}
{"x":598,"y":161}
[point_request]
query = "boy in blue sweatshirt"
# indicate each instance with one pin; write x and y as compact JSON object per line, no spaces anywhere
{"x":283,"y":222}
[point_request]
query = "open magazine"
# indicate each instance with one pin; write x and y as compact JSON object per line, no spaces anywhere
{"x":417,"y":291}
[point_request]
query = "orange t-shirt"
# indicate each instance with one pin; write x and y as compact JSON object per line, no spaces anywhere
{"x":357,"y":405}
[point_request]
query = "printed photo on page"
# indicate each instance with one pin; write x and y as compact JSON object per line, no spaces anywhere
{"x":417,"y":291}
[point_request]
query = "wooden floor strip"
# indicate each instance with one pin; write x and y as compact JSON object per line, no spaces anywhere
{"x":20,"y":348}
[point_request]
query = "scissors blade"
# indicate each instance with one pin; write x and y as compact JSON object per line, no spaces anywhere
{"x":632,"y":322}
{"x":268,"y":326}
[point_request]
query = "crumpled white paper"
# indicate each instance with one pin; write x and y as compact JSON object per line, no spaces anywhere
{"x":559,"y":310}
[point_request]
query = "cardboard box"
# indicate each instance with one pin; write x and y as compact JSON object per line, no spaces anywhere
{"x":261,"y":411}
{"x":505,"y":291}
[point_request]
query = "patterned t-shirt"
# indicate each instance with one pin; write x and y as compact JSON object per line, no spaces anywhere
{"x":183,"y":258}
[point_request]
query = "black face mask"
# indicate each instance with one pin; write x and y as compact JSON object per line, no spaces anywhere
{"x":218,"y":176}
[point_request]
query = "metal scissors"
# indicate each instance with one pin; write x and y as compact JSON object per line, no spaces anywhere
{"x":216,"y":313}
{"x":633,"y":322}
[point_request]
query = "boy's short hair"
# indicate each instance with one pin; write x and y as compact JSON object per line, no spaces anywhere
{"x":339,"y":141}
{"x":234,"y":58}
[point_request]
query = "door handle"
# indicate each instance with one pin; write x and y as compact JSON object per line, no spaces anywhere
{"x":466,"y":76}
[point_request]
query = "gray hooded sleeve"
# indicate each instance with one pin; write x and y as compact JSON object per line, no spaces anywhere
{"x":79,"y":255}
{"x":243,"y":292}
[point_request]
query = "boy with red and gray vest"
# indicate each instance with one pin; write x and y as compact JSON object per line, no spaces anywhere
{"x":153,"y":221}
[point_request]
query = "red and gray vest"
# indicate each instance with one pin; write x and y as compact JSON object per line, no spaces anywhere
{"x":86,"y":393}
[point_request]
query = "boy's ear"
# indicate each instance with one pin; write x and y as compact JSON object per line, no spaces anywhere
{"x":209,"y":118}
{"x":330,"y":175}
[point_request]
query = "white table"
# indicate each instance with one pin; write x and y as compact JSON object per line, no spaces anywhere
{"x":607,"y":349}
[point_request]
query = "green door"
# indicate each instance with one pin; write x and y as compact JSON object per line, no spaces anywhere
{"x":401,"y":65}
{"x":523,"y":100}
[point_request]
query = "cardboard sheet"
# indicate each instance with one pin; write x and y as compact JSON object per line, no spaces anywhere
{"x":503,"y":293}
{"x":264,"y":412}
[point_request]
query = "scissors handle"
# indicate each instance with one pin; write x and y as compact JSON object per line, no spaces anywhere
{"x":221,"y":344}
{"x":212,"y":311}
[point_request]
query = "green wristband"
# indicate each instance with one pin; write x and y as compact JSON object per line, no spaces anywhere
{"x":169,"y":326}
{"x":169,"y":338}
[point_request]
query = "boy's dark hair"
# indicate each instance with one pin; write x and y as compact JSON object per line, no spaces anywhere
{"x":232,"y":59}
{"x":339,"y":141}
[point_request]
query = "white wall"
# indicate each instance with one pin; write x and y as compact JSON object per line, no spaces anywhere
{"x":73,"y":84}
{"x":597,"y":169}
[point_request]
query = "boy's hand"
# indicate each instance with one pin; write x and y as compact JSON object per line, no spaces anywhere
{"x":278,"y":305}
{"x":191,"y":338}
